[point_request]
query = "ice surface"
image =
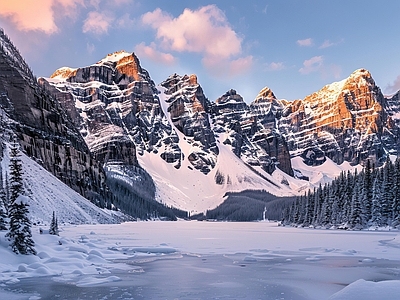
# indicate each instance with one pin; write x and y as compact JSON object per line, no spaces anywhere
{"x":203,"y":260}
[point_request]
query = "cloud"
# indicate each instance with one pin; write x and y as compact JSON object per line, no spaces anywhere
{"x":30,"y":15}
{"x":312,"y":65}
{"x":125,"y":21}
{"x":38,"y":15}
{"x":305,"y":43}
{"x":205,"y":31}
{"x":228,"y":68}
{"x":97,"y":23}
{"x":275,"y":66}
{"x":328,"y":43}
{"x":153,"y":54}
{"x":394,"y":87}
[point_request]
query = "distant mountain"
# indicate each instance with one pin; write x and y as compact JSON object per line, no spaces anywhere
{"x":113,"y":135}
{"x":226,"y":145}
{"x":348,"y":121}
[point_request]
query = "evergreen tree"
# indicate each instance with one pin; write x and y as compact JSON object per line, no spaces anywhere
{"x":367,"y":190}
{"x":356,"y":219}
{"x":19,"y":232}
{"x":387,"y":195}
{"x":309,"y":210}
{"x":3,"y":203}
{"x":54,"y":225}
{"x":3,"y":215}
{"x":396,"y":195}
{"x":376,"y":201}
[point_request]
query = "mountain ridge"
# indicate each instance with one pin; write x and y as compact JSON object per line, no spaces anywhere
{"x":344,"y":121}
{"x":172,"y":144}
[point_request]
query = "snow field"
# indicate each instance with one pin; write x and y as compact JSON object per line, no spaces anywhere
{"x":315,"y":263}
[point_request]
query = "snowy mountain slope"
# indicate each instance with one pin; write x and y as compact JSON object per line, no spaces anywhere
{"x":48,"y":194}
{"x":196,"y":150}
{"x":188,"y":189}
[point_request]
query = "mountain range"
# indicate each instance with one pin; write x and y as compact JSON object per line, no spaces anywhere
{"x":111,"y":134}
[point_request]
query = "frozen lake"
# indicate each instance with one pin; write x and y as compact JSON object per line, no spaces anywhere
{"x":205,"y":260}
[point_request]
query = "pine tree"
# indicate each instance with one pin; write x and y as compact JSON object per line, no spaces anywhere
{"x":54,"y":225}
{"x":396,"y":195}
{"x":19,"y":232}
{"x":3,"y":216}
{"x":3,"y":205}
{"x":367,"y":190}
{"x":387,"y":195}
{"x":356,"y":219}
{"x":309,"y":213}
{"x":376,"y":201}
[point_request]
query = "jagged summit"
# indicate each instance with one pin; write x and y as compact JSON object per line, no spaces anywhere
{"x":265,"y":95}
{"x":114,"y":57}
{"x":63,"y":73}
{"x":120,"y":67}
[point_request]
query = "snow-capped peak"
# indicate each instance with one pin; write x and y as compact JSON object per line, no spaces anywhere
{"x":63,"y":73}
{"x":114,"y":57}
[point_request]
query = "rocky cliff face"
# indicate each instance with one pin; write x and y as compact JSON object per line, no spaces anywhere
{"x":251,"y":130}
{"x":189,"y":111}
{"x":115,"y":105}
{"x":43,"y":128}
{"x":345,"y":121}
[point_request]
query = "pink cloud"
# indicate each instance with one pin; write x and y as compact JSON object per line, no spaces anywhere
{"x":30,"y":15}
{"x":97,"y":23}
{"x":394,"y":87}
{"x":275,"y":66}
{"x":205,"y":30}
{"x":305,"y":43}
{"x":312,"y":65}
{"x":151,"y":53}
{"x":37,"y":15}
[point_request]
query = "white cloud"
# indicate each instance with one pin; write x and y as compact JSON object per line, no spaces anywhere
{"x":275,"y":66}
{"x":205,"y":31}
{"x":305,"y":43}
{"x":153,"y":54}
{"x":394,"y":87}
{"x":97,"y":23}
{"x":312,"y":65}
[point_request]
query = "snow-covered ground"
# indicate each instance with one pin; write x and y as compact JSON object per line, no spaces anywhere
{"x":203,"y":260}
{"x":47,"y":194}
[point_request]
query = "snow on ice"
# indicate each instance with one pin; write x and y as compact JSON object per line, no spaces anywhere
{"x":203,"y":260}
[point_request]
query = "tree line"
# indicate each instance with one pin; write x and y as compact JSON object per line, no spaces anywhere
{"x":359,"y":200}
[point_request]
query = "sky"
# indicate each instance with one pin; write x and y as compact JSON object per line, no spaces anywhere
{"x":294,"y":47}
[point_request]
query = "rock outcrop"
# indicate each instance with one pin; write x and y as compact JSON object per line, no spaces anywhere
{"x":345,"y":121}
{"x":189,"y":111}
{"x":251,"y":130}
{"x":43,"y":128}
{"x":115,"y":105}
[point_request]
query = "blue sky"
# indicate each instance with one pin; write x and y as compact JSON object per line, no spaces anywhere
{"x":294,"y":47}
